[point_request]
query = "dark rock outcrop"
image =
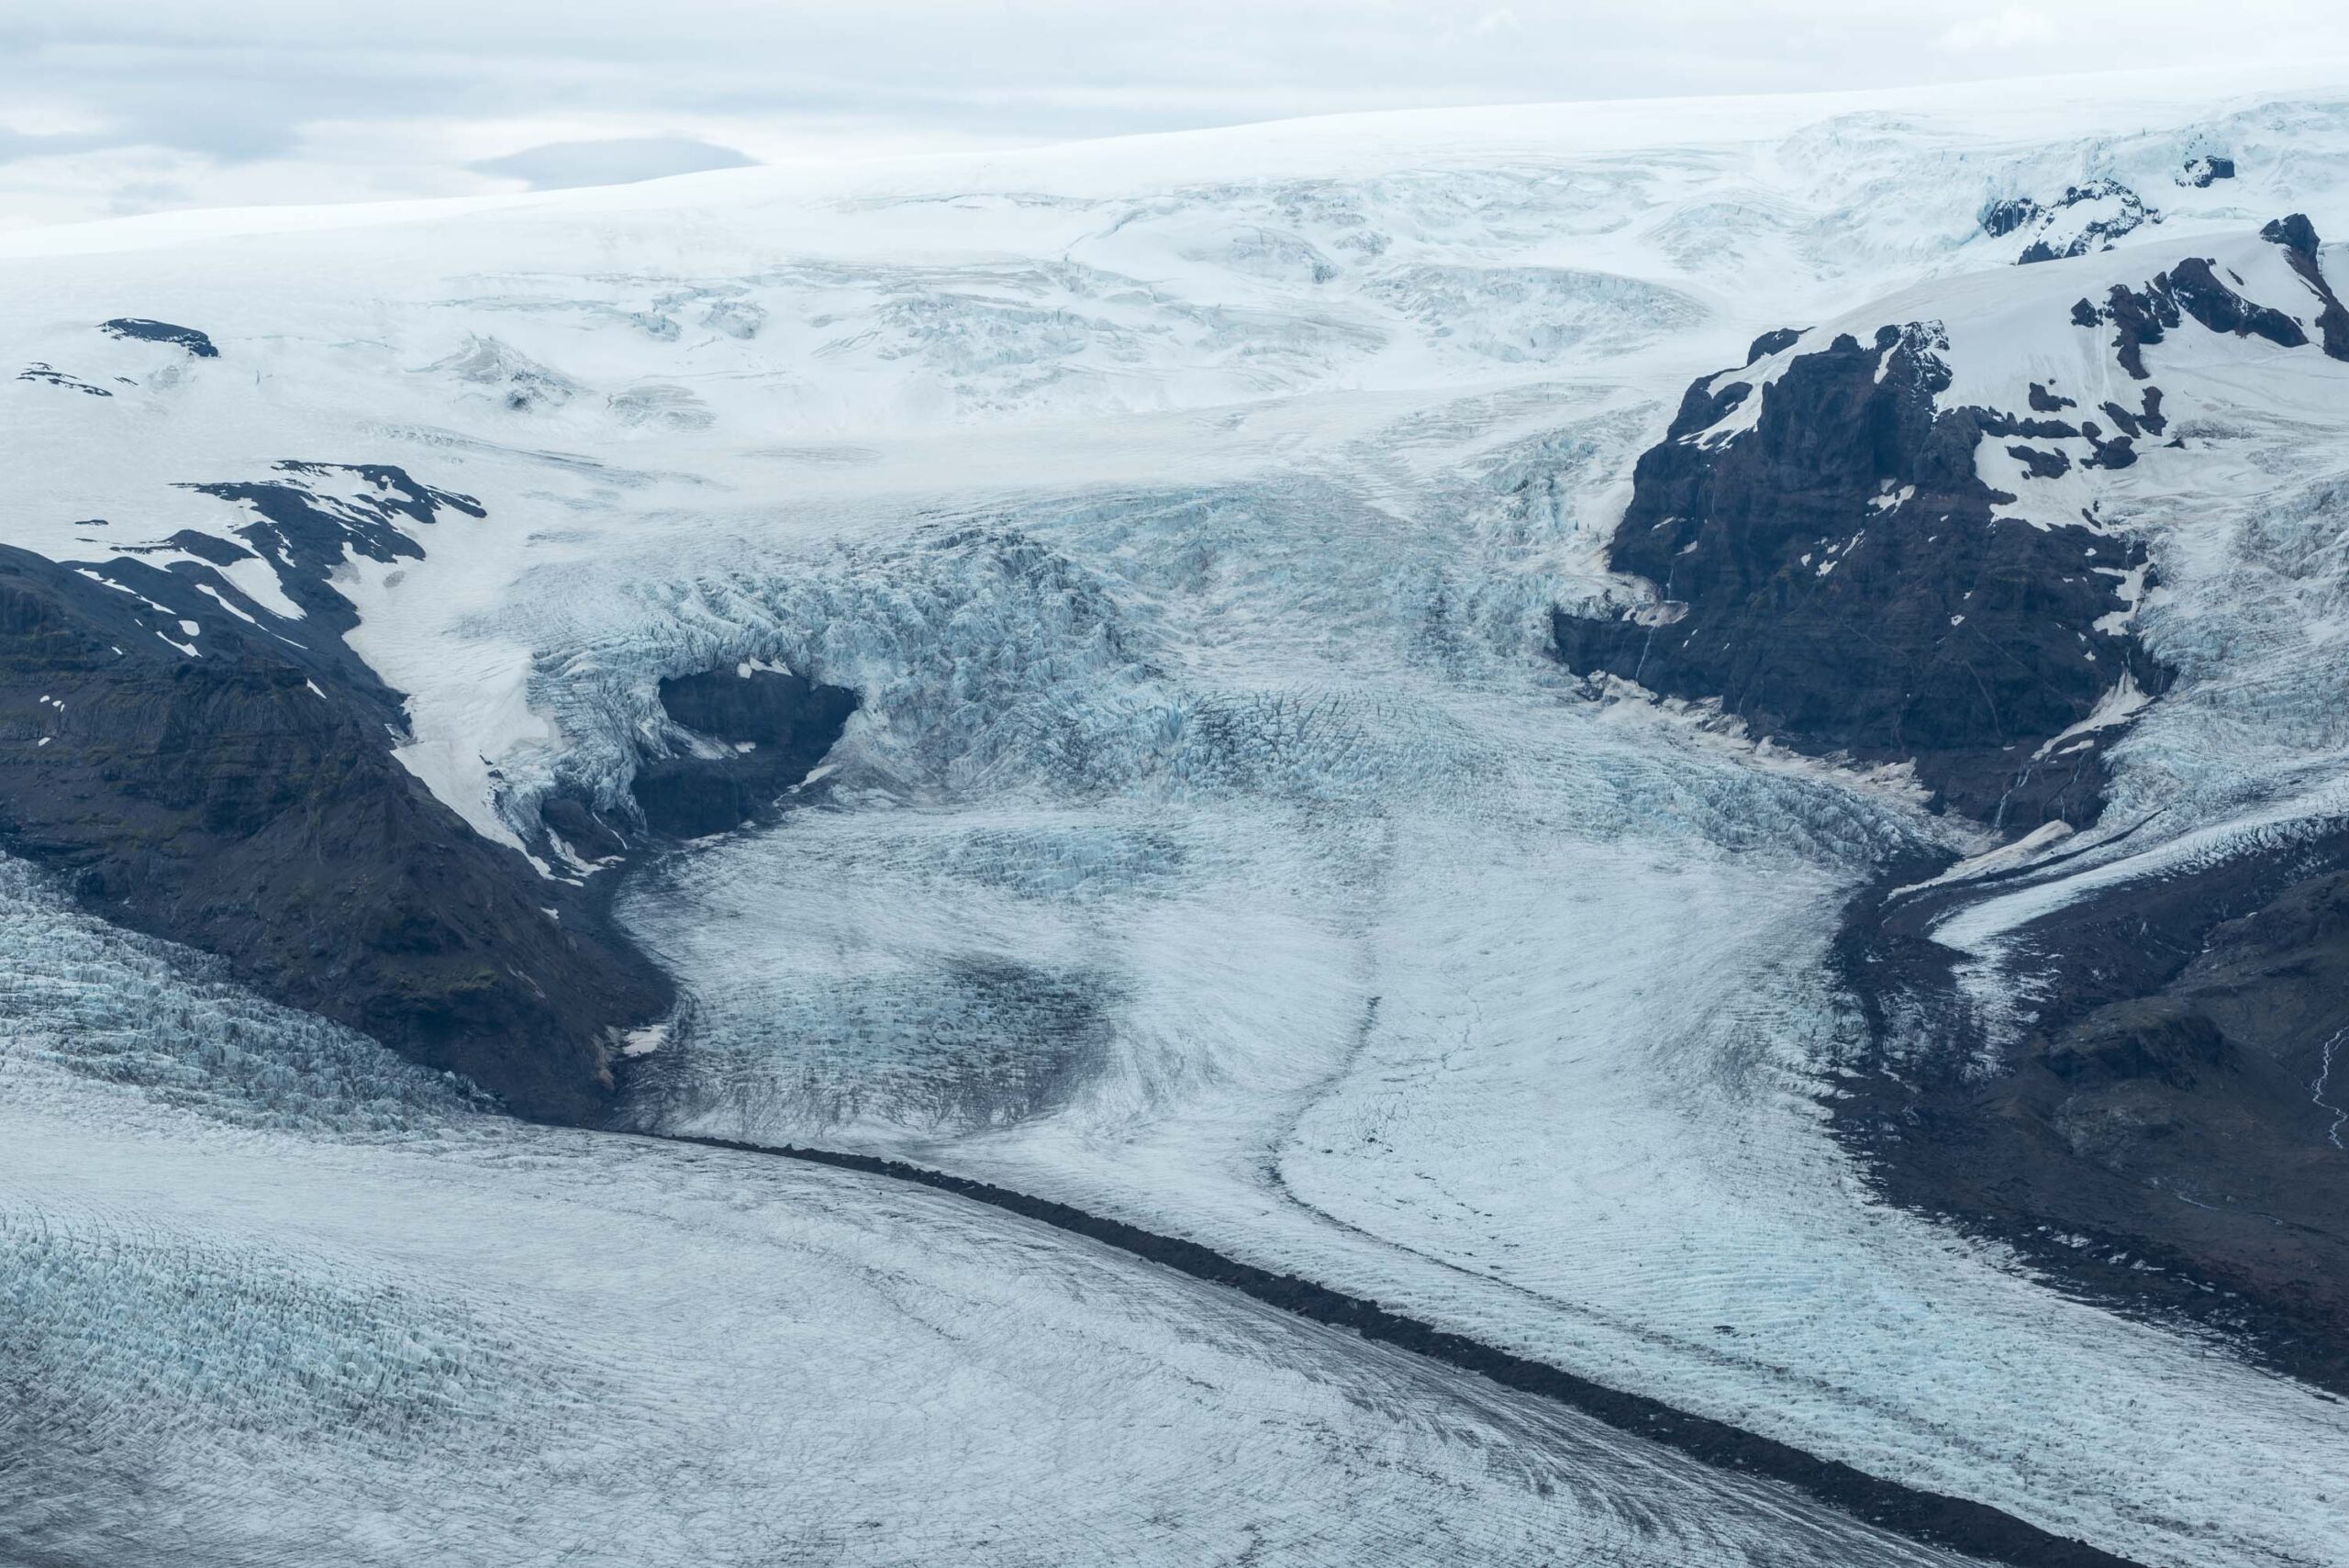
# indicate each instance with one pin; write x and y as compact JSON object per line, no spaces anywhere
{"x":2206,"y":171}
{"x":2003,"y":218}
{"x":2058,"y":237}
{"x":198,"y":345}
{"x":2041,"y":464}
{"x":2164,"y":1131}
{"x":1835,"y":577}
{"x":2160,"y":1135}
{"x":1830,"y":568}
{"x":49,"y":376}
{"x":2296,"y":234}
{"x":760,"y":732}
{"x":2193,"y":289}
{"x":305,"y":536}
{"x":198,"y":767}
{"x":2146,"y":420}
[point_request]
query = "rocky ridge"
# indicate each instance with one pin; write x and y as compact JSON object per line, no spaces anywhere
{"x":1828,"y":564}
{"x":212,"y":763}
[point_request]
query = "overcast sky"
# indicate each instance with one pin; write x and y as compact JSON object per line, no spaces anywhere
{"x":112,"y":106}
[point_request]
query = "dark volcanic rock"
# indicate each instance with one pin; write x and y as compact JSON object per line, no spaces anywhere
{"x":50,"y":376}
{"x":2193,"y":289}
{"x":2157,"y":1136}
{"x":198,"y":346}
{"x":2296,"y":234}
{"x":307,"y":535}
{"x":2118,"y":452}
{"x":224,"y":777}
{"x":2198,"y":289}
{"x":206,"y":547}
{"x":2041,"y":464}
{"x":1830,"y":570}
{"x":1834,"y":577}
{"x":2164,"y":1130}
{"x":2010,"y":216}
{"x":2002,"y":219}
{"x":581,"y":828}
{"x":2147,"y":420}
{"x":769,"y":730}
{"x":2206,"y":171}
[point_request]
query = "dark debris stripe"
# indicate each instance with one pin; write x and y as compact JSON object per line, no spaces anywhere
{"x":1955,"y":1524}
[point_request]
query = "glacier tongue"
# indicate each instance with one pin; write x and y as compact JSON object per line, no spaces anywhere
{"x":1383,"y":961}
{"x":274,"y":1294}
{"x":1215,"y":845}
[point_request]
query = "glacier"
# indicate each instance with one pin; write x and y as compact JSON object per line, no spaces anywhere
{"x":1216,"y":846}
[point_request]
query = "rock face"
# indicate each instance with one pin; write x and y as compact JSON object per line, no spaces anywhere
{"x":1831,"y":567}
{"x":2296,"y":234}
{"x":49,"y":376}
{"x":198,"y":345}
{"x":2085,"y":219}
{"x":2193,"y":291}
{"x":202,"y":769}
{"x":2166,"y":1126}
{"x":2168,"y":1130}
{"x":1833,"y":574}
{"x":2207,"y":169}
{"x":750,"y":735}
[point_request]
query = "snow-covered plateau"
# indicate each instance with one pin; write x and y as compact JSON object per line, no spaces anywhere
{"x":1219,"y":842}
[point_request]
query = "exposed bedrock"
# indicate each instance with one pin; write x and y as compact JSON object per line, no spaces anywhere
{"x":2085,"y":219}
{"x":198,"y":767}
{"x":2168,"y":1131}
{"x":1828,"y":564}
{"x":2144,"y":1098}
{"x":2208,"y":169}
{"x":1835,"y":577}
{"x":2192,"y":290}
{"x":197,"y":344}
{"x":2297,"y":236}
{"x":748,"y":734}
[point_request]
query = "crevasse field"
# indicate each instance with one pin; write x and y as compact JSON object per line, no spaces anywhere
{"x":1217,"y":848}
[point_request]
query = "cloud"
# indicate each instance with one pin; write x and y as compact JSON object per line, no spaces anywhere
{"x":618,"y":161}
{"x":2010,"y":27}
{"x":15,"y":144}
{"x":280,"y":100}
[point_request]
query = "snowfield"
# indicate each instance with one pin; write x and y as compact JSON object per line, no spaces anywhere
{"x":1216,"y":848}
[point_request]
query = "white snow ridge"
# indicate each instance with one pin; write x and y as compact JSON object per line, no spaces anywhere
{"x":1218,"y":849}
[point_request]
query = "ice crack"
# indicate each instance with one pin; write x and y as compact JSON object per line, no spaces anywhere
{"x":2317,"y":1089}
